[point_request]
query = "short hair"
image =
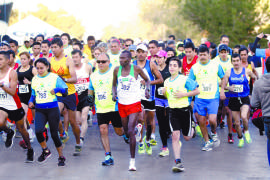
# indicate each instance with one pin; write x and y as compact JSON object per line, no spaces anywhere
{"x":202,"y":49}
{"x":235,"y":56}
{"x":57,"y":41}
{"x":170,"y":49}
{"x":154,"y":42}
{"x":129,"y":40}
{"x":36,"y":43}
{"x":5,"y":54}
{"x":189,"y":45}
{"x":102,"y":45}
{"x":78,"y":44}
{"x":177,"y":60}
{"x":76,"y":51}
{"x":172,"y":36}
{"x":14,"y":42}
{"x":128,"y":53}
{"x":40,"y":35}
{"x":46,"y":42}
{"x":56,"y":36}
{"x":90,"y":38}
{"x":115,"y":41}
{"x":224,"y":36}
{"x":67,"y":35}
{"x":267,"y":64}
{"x":180,"y":45}
{"x":43,"y":61}
{"x":237,"y":46}
{"x":11,"y":52}
{"x":243,"y":49}
{"x":162,"y":45}
{"x":213,"y":45}
{"x":26,"y":54}
{"x":105,"y":55}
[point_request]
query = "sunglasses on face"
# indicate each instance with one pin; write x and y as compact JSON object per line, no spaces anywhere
{"x":101,"y":61}
{"x":127,"y":45}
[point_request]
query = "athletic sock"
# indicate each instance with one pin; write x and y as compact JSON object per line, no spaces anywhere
{"x":177,"y":161}
{"x":108,"y":154}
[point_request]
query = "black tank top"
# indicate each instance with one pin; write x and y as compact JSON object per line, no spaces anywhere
{"x":27,"y":74}
{"x":165,"y":73}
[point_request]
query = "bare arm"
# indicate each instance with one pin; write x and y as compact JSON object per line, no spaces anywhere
{"x":114,"y":86}
{"x":224,"y":83}
{"x":12,"y":83}
{"x":155,"y":71}
{"x":89,"y":69}
{"x":34,"y":71}
{"x":251,"y":75}
{"x":70,"y":65}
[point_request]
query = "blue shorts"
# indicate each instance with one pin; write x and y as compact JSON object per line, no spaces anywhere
{"x":206,"y":106}
{"x":161,"y":102}
{"x":69,"y":101}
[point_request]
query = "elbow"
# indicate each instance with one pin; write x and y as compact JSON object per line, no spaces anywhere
{"x":197,"y":92}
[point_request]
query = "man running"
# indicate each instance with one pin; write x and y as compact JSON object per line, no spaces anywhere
{"x":190,"y":59}
{"x":126,"y":88}
{"x":10,"y":105}
{"x":83,"y":71}
{"x":206,"y":74}
{"x":64,"y":67}
{"x":239,"y":96}
{"x":115,"y":52}
{"x":152,"y":72}
{"x":45,"y":49}
{"x":101,"y":86}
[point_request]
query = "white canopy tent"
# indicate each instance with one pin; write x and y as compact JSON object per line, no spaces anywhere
{"x":30,"y":27}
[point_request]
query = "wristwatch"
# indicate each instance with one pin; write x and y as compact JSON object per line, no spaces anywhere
{"x":2,"y":85}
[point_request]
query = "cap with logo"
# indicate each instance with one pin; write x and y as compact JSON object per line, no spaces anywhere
{"x":223,"y":47}
{"x":142,"y":47}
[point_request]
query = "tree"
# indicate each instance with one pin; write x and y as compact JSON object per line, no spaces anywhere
{"x":59,"y":19}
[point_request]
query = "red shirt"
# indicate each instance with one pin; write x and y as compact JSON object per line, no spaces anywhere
{"x":186,"y":67}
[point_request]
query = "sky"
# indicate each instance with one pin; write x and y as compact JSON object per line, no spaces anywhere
{"x":94,"y":14}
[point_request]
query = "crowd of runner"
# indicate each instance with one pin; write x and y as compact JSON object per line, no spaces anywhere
{"x":127,"y":83}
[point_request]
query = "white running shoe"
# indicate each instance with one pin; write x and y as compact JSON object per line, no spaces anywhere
{"x":4,"y":136}
{"x":132,"y":166}
{"x":31,"y":134}
{"x":138,"y":129}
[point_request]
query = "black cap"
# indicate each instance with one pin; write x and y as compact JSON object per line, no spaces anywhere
{"x":222,"y":47}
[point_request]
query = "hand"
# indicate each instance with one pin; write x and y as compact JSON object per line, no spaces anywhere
{"x":147,"y":94}
{"x":26,"y":81}
{"x":222,"y":95}
{"x":260,"y":36}
{"x":143,"y":82}
{"x":114,"y":98}
{"x":52,"y":92}
{"x":231,"y":88}
{"x":179,"y":94}
{"x":31,"y":105}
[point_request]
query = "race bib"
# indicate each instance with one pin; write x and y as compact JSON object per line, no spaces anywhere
{"x":23,"y":89}
{"x":125,"y":87}
{"x":238,"y":88}
{"x":80,"y":88}
{"x":3,"y":96}
{"x":101,"y":96}
{"x":207,"y":87}
{"x":42,"y":94}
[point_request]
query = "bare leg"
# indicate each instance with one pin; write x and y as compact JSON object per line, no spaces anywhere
{"x":84,"y":125}
{"x":202,"y":123}
{"x":74,"y":125}
{"x":103,"y":129}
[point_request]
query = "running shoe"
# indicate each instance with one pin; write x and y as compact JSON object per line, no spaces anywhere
{"x":4,"y":136}
{"x":108,"y":161}
{"x":233,"y":128}
{"x":247,"y":137}
{"x":216,"y":141}
{"x":164,"y":152}
{"x":132,"y":166}
{"x":30,"y":156}
{"x":44,"y":155}
{"x":64,"y":137}
{"x":31,"y":134}
{"x":23,"y":144}
{"x":153,"y":142}
{"x":126,"y":139}
{"x":198,"y":131}
{"x":9,"y":140}
{"x":241,"y":142}
{"x":61,"y":161}
{"x":148,"y":148}
{"x":230,"y":140}
{"x":179,"y":167}
{"x":208,"y":146}
{"x":222,"y":125}
{"x":138,"y":129}
{"x":141,"y":149}
{"x":78,"y":150}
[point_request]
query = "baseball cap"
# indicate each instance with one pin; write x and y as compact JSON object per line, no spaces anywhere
{"x":142,"y":47}
{"x":171,"y":42}
{"x":162,"y":53}
{"x":187,"y":40}
{"x":4,"y":43}
{"x":132,"y":48}
{"x":222,"y":47}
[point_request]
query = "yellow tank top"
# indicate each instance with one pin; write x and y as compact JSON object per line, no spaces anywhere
{"x":60,"y":68}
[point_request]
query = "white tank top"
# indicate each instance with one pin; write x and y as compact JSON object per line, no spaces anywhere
{"x":82,"y":80}
{"x":128,"y":88}
{"x":6,"y":100}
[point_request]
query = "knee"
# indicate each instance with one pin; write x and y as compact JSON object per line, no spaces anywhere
{"x":175,"y":136}
{"x":103,"y":130}
{"x":237,"y":123}
{"x":40,"y":137}
{"x":131,"y":133}
{"x":119,"y":131}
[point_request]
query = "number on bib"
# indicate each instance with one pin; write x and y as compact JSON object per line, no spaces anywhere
{"x":206,"y":87}
{"x":42,"y":95}
{"x":238,"y":88}
{"x":101,"y":96}
{"x":23,"y":89}
{"x":3,"y":96}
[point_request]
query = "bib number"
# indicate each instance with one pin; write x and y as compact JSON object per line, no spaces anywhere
{"x":3,"y":96}
{"x":23,"y":89}
{"x":238,"y":88}
{"x":80,"y":88}
{"x":101,"y":96}
{"x":206,"y":87}
{"x":42,"y":95}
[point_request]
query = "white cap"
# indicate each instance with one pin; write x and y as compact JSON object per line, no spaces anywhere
{"x":142,"y":47}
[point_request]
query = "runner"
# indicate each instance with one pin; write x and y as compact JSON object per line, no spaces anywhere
{"x":206,"y":73}
{"x":12,"y":62}
{"x":25,"y":74}
{"x":83,"y":71}
{"x":239,"y":96}
{"x":64,"y":67}
{"x":126,"y":88}
{"x":152,"y":72}
{"x":190,"y":59}
{"x":10,"y":105}
{"x":161,"y":103}
{"x":36,"y":51}
{"x":45,"y":49}
{"x":65,"y":37}
{"x":177,"y":89}
{"x":107,"y":110}
{"x":43,"y":95}
{"x":115,"y":52}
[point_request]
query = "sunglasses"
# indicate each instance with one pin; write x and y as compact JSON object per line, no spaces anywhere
{"x":101,"y":61}
{"x":127,"y":45}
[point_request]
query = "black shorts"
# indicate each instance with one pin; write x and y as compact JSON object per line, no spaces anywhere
{"x":235,"y":103}
{"x":105,"y":118}
{"x":149,"y":105}
{"x":25,"y":98}
{"x":181,"y":119}
{"x":69,"y":101}
{"x":82,"y":103}
{"x":14,"y":115}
